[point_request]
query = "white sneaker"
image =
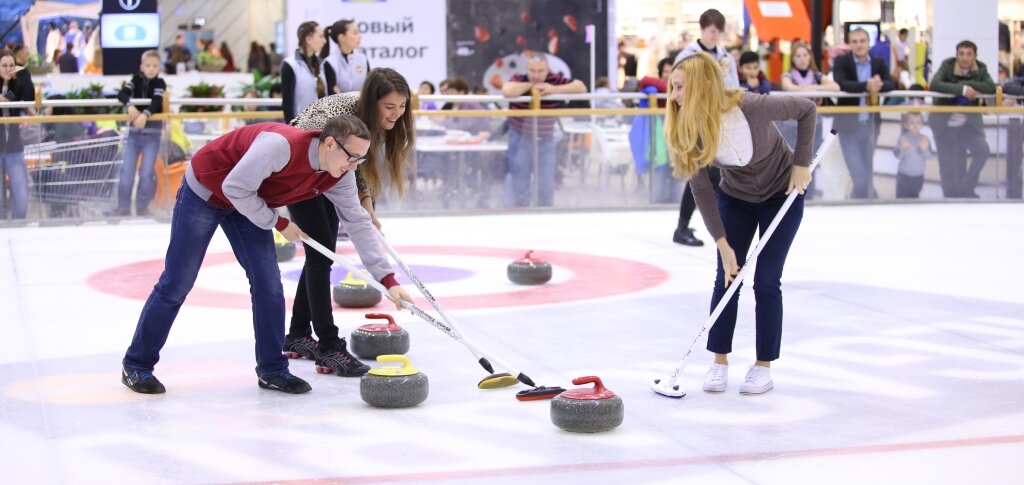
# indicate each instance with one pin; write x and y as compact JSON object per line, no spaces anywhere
{"x":758,"y":380}
{"x":716,"y":378}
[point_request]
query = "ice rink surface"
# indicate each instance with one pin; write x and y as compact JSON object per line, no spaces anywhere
{"x":902,"y":358}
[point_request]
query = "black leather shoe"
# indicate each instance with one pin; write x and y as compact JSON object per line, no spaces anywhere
{"x":686,"y":238}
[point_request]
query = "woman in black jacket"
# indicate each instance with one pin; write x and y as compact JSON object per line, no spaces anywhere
{"x":12,"y":151}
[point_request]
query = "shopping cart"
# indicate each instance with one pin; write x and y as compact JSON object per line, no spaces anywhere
{"x":74,"y":179}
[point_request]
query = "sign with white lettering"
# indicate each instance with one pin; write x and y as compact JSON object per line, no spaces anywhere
{"x":408,"y":36}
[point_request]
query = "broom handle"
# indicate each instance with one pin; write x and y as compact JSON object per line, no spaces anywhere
{"x":485,"y":357}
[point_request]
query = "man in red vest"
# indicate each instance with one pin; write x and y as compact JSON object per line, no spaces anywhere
{"x":236,"y":182}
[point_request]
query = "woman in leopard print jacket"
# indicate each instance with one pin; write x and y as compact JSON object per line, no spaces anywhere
{"x":383,"y":104}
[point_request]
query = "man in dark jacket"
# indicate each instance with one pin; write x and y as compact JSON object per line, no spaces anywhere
{"x":68,"y":63}
{"x":858,"y":72}
{"x":957,"y":134}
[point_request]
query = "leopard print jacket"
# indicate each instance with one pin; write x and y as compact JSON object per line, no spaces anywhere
{"x":315,"y":117}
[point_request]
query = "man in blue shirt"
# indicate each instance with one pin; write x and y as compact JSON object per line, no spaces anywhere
{"x":858,"y":72}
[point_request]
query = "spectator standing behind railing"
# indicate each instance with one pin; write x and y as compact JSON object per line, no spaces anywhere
{"x":712,"y":23}
{"x":520,"y":134}
{"x":1014,"y":141}
{"x":958,"y":134}
{"x":12,"y":151}
{"x":665,"y":187}
{"x":305,"y":77}
{"x":143,"y":136}
{"x":804,"y":75}
{"x":913,"y":149}
{"x":858,"y":72}
{"x":350,"y":67}
{"x":751,"y":77}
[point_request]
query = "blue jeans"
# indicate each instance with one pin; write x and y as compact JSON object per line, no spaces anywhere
{"x":146,"y":142}
{"x":192,"y":226}
{"x":858,"y":144}
{"x":741,"y":219}
{"x":520,"y":170}
{"x":14,"y":166}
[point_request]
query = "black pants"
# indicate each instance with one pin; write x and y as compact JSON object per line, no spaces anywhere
{"x":741,"y":220}
{"x":1014,"y":157}
{"x":908,"y":186}
{"x":318,"y":219}
{"x":954,"y":144}
{"x":688,"y":205}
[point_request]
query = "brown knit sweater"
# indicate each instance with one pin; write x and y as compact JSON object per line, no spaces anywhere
{"x":769,"y":169}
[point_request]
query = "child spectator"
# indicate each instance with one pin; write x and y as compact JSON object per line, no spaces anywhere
{"x":913,"y":149}
{"x":143,"y":136}
{"x":751,"y":77}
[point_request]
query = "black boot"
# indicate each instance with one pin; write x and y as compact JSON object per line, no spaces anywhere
{"x":686,"y":238}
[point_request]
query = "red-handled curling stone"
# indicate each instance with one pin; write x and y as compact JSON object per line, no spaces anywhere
{"x":373,"y":339}
{"x":539,"y":393}
{"x":529,"y":270}
{"x":587,"y":410}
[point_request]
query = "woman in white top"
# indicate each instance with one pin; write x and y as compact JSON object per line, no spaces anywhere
{"x":349,"y":66}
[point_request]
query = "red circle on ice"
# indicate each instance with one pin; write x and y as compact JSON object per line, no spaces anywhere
{"x":592,"y":277}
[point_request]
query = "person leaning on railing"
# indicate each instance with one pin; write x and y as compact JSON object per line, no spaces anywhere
{"x":858,"y":72}
{"x":143,"y":136}
{"x":958,"y":134}
{"x":521,"y":132}
{"x":12,"y":150}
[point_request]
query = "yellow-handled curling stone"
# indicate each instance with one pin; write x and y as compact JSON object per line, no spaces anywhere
{"x":585,"y":409}
{"x":352,"y":292}
{"x":394,"y":387}
{"x":373,"y":339}
{"x":284,"y":248}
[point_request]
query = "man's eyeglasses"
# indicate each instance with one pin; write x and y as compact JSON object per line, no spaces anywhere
{"x":351,"y":158}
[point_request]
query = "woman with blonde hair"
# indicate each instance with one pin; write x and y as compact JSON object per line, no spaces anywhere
{"x":383,"y":105}
{"x":708,"y":125}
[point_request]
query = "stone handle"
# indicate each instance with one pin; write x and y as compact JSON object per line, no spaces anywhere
{"x":392,"y":326}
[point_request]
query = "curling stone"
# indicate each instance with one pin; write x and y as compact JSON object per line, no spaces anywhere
{"x":371,"y":340}
{"x":587,"y":410}
{"x":285,"y":249}
{"x":394,"y":387}
{"x":355,"y":293}
{"x":529,"y":271}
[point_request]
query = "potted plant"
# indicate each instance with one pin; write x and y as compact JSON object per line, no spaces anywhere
{"x":37,"y":64}
{"x":201,"y":90}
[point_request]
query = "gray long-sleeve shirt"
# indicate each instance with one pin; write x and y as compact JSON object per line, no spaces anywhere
{"x":768,"y":171}
{"x":271,"y":153}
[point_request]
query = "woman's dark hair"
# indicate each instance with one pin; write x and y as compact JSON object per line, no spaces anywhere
{"x":668,"y":61}
{"x":332,"y":32}
{"x":338,"y":28}
{"x":397,"y":142}
{"x":459,"y":84}
{"x":312,"y":61}
{"x":430,"y":85}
